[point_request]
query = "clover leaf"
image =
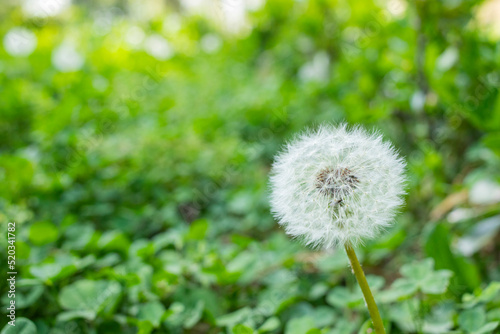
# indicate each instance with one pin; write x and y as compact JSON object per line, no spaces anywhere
{"x":418,"y":276}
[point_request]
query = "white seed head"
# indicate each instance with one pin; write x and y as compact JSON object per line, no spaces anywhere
{"x":336,"y":185}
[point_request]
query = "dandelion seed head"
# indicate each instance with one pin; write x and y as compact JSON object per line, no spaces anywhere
{"x":335,"y":185}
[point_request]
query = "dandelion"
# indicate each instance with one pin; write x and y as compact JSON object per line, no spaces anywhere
{"x":338,"y":186}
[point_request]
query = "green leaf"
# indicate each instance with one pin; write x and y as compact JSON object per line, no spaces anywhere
{"x":492,"y":141}
{"x":46,"y":271}
{"x":333,"y":262}
{"x":341,"y":297}
{"x":145,"y":327}
{"x":152,"y":312}
{"x":436,"y":282}
{"x":194,"y":314}
{"x":314,"y":331}
{"x":270,"y":325}
{"x":400,"y":288}
{"x":78,"y":236}
{"x":343,"y":326}
{"x":299,"y":325}
{"x":405,"y":315}
{"x":366,"y":328}
{"x":318,"y":290}
{"x":26,"y":295}
{"x":276,"y":298}
{"x":171,"y":237}
{"x":185,"y":315}
{"x":22,"y":326}
{"x":17,"y":173}
{"x":490,"y":293}
{"x":438,"y":247}
{"x":197,"y":230}
{"x":441,"y":318}
{"x":493,"y":315}
{"x":487,"y":328}
{"x":70,"y":315}
{"x":43,"y":232}
{"x":242,"y":329}
{"x":141,"y":248}
{"x":89,"y":296}
{"x":23,"y":250}
{"x":114,"y":241}
{"x":418,"y":270}
{"x":235,"y":317}
{"x":472,"y":319}
{"x":417,"y":276}
{"x":323,"y":316}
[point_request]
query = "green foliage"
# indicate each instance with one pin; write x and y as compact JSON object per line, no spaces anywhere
{"x":42,"y":233}
{"x":418,"y":277}
{"x":87,"y":298}
{"x":438,"y":245}
{"x":474,"y":321}
{"x":139,"y":184}
{"x":23,"y":326}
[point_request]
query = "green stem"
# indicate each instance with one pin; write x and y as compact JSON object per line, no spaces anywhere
{"x":378,"y":325}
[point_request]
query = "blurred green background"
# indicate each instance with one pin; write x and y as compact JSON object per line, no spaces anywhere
{"x":136,"y":139}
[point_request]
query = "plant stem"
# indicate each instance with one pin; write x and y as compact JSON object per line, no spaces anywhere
{"x":378,"y":325}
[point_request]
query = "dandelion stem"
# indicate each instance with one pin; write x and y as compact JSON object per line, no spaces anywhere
{"x":378,"y":325}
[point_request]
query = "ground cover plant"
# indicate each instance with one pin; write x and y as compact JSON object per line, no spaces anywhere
{"x":136,"y":142}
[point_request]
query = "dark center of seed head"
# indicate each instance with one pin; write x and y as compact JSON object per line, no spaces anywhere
{"x":336,"y":182}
